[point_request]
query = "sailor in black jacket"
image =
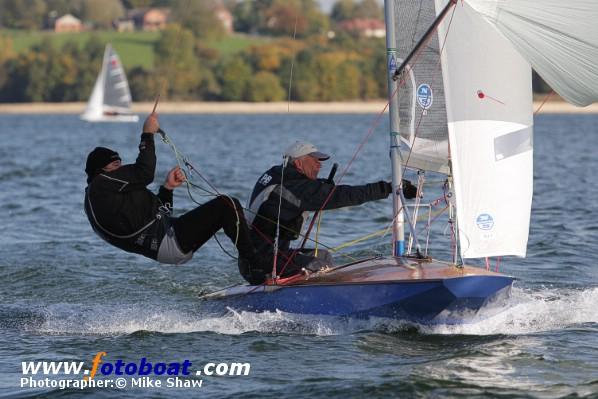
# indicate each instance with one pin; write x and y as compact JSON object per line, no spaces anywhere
{"x":302,"y":191}
{"x":126,"y":214}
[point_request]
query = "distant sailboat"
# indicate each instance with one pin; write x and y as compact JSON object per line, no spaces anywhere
{"x":110,"y":99}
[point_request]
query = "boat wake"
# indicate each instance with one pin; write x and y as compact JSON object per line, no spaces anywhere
{"x":528,"y":311}
{"x":532,"y":311}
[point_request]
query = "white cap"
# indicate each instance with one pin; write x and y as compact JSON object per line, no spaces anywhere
{"x":302,"y":148}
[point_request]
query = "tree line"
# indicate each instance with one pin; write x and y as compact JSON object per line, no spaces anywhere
{"x":344,"y":68}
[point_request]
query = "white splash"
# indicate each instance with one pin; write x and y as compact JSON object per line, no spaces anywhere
{"x":533,"y":311}
{"x":529,"y":312}
{"x":74,"y":319}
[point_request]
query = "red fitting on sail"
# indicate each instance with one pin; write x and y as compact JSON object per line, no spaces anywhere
{"x":482,"y":95}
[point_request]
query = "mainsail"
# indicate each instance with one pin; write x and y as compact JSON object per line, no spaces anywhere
{"x":559,"y":38}
{"x":422,"y":108}
{"x":110,"y":98}
{"x":477,"y":89}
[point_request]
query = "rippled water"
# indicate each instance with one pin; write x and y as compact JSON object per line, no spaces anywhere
{"x":66,"y":295}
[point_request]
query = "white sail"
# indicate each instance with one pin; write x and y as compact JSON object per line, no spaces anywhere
{"x":94,"y":108}
{"x":558,"y":37}
{"x":110,"y":99}
{"x":487,"y":85}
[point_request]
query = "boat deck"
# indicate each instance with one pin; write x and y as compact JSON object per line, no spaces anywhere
{"x":392,"y":269}
{"x":372,"y":271}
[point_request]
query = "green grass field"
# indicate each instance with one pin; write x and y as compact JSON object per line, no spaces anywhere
{"x":134,"y":48}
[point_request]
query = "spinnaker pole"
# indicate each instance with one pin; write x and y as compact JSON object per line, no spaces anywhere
{"x":398,"y":231}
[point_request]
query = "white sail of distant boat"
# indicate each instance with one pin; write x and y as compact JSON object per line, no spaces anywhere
{"x":110,"y":99}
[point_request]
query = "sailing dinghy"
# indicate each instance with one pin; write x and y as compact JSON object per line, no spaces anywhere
{"x":110,"y":99}
{"x":460,"y":104}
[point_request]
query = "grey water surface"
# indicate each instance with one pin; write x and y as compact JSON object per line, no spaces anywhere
{"x":66,"y":295}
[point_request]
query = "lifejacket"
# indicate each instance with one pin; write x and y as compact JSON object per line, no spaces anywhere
{"x":268,"y":184}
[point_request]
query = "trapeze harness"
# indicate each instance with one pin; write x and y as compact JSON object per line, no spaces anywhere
{"x":145,"y":240}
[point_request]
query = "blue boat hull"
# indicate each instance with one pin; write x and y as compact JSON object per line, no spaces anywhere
{"x":450,"y":299}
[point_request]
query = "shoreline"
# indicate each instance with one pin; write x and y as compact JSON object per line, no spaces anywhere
{"x":371,"y":107}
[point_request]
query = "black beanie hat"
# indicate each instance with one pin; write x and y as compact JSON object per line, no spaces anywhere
{"x":97,"y":159}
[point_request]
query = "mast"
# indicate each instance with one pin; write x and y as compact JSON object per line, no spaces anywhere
{"x":398,"y":231}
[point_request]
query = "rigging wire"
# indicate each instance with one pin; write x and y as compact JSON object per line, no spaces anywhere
{"x":318,"y":234}
{"x":276,"y":237}
{"x":285,"y":161}
{"x":292,"y":66}
{"x":418,"y":197}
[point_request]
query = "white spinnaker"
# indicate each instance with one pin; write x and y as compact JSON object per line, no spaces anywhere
{"x":488,"y":93}
{"x":558,"y":37}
